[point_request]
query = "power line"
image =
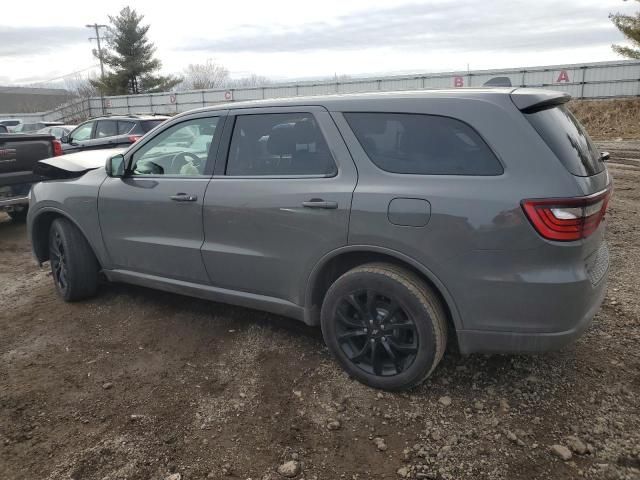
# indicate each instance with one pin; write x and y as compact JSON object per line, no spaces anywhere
{"x":63,"y":76}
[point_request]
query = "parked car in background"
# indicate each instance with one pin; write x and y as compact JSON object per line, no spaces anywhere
{"x":33,"y":127}
{"x":393,"y":220}
{"x":58,"y":131}
{"x":18,"y":155}
{"x":110,"y":132}
{"x":10,"y":123}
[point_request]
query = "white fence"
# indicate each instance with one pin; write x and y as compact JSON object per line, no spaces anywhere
{"x":589,"y":80}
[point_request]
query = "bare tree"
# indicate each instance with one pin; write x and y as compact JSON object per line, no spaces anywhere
{"x":252,"y":80}
{"x":202,"y":76}
{"x":82,"y":87}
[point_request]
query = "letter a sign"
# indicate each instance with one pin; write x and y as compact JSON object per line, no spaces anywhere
{"x":563,"y":77}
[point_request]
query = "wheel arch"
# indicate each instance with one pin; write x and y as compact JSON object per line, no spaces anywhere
{"x":40,"y":225}
{"x":339,"y":261}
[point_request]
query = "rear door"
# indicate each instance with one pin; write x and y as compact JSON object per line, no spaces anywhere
{"x":151,"y":220}
{"x":279,"y":200}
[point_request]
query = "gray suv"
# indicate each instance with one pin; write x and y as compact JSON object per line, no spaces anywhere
{"x":395,"y":221}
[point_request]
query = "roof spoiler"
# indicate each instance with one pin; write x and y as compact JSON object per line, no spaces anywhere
{"x":531,"y":100}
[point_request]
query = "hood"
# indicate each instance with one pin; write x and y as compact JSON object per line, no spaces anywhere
{"x":74,"y":164}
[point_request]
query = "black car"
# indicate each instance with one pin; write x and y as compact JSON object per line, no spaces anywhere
{"x":109,"y":132}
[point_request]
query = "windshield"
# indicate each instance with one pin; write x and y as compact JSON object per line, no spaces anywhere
{"x":568,"y":140}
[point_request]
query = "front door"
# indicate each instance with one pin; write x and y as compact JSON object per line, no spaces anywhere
{"x":278,"y":202}
{"x":151,"y":219}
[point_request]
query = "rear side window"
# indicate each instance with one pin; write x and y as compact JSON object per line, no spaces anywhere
{"x":148,"y":125}
{"x":279,"y":144}
{"x":568,"y":140}
{"x":422,"y":144}
{"x":106,"y":128}
{"x":125,"y":127}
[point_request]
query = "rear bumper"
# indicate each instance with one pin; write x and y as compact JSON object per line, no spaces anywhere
{"x":527,"y":303}
{"x":480,"y":341}
{"x":14,"y":196}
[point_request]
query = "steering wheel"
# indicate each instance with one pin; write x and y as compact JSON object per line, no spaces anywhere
{"x":195,"y":160}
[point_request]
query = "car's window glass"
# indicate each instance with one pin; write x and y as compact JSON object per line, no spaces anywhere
{"x":106,"y":128}
{"x":56,"y":132}
{"x":278,"y":144}
{"x":568,"y":140}
{"x":179,"y":150}
{"x":148,"y":125}
{"x":422,"y":144}
{"x":124,"y":127}
{"x":83,"y":132}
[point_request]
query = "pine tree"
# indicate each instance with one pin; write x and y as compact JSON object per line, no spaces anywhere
{"x":129,"y":57}
{"x":629,"y":25}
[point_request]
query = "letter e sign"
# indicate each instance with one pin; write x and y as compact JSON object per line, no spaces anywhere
{"x":563,"y":77}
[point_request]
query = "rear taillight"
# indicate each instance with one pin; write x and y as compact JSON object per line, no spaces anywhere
{"x":567,"y":219}
{"x":134,"y":138}
{"x":57,"y":148}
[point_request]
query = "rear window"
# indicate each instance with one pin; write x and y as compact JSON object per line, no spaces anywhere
{"x":422,"y":144}
{"x":148,"y":125}
{"x":568,"y":140}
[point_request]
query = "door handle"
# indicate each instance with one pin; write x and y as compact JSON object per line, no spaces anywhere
{"x":183,"y":197}
{"x":319,"y":203}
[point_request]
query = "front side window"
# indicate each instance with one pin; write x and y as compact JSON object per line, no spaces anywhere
{"x":422,"y":144}
{"x":83,"y":132}
{"x":179,"y":150}
{"x":279,"y":144}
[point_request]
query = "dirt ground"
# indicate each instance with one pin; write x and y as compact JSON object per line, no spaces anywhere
{"x":139,"y":384}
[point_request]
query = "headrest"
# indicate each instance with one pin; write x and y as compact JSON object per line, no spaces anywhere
{"x":281,"y":141}
{"x":305,"y":132}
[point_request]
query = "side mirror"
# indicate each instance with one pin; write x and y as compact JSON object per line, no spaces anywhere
{"x":115,"y":166}
{"x":604,"y":156}
{"x":64,"y":139}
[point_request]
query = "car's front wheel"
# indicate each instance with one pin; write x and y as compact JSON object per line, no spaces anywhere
{"x":73,"y":265}
{"x":384,"y":325}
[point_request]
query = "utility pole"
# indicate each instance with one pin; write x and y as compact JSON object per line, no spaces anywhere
{"x":97,"y":28}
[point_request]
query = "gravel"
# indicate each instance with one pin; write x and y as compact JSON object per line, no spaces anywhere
{"x":205,"y":390}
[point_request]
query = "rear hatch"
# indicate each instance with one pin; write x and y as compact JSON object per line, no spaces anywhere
{"x":572,"y":218}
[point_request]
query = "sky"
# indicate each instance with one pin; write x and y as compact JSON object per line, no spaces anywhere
{"x":288,"y":40}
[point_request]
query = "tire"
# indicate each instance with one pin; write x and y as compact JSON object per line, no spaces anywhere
{"x":18,"y":215}
{"x":74,"y":267}
{"x":353,"y":316}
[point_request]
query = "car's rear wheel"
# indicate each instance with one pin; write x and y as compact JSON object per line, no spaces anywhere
{"x":384,"y":325}
{"x":73,"y":265}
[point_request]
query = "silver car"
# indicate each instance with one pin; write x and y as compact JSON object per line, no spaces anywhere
{"x":395,"y":221}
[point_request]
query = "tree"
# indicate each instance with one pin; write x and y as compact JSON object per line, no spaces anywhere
{"x":129,"y":56}
{"x":252,"y":80}
{"x":629,"y":25}
{"x":201,"y":76}
{"x":82,"y":87}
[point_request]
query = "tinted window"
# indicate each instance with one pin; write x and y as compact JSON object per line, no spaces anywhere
{"x":148,"y":125}
{"x":180,"y":150}
{"x":106,"y":128}
{"x":568,"y":140}
{"x":83,"y":132}
{"x":124,"y":127}
{"x":279,"y":144}
{"x":422,"y":144}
